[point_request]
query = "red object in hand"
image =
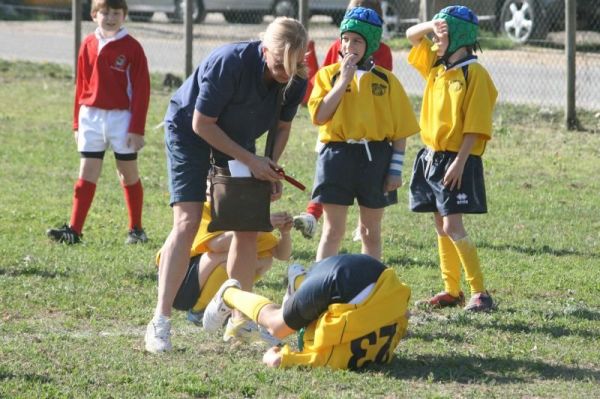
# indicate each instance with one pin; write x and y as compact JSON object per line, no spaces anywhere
{"x":290,"y":180}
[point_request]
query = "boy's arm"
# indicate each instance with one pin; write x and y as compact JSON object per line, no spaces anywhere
{"x":453,"y":176}
{"x":220,"y":243}
{"x":332,"y":99}
{"x":283,"y":250}
{"x":140,"y":96}
{"x":393,"y":180}
{"x":284,"y":222}
{"x":78,"y":90}
{"x":415,"y":33}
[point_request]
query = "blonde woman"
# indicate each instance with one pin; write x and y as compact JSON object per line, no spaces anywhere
{"x":226,"y":104}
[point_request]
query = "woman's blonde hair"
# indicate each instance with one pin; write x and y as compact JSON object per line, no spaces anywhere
{"x":287,"y":36}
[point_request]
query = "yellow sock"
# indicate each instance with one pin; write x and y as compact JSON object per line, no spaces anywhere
{"x":468,"y":256}
{"x":248,"y":303}
{"x":450,"y":265}
{"x":210,"y":288}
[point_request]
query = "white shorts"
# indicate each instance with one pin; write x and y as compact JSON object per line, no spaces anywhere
{"x":100,"y":129}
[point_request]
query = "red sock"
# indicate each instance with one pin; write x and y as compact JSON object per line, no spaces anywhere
{"x":134,"y":199}
{"x":83,"y":195}
{"x":315,"y":209}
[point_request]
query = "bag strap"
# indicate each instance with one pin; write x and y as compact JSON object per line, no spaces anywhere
{"x":273,"y":129}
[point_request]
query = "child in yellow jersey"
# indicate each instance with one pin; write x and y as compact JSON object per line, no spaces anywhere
{"x":350,"y":311}
{"x":360,"y":109}
{"x":456,"y":123}
{"x":206,"y":271}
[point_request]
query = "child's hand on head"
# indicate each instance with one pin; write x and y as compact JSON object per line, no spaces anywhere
{"x":440,"y":28}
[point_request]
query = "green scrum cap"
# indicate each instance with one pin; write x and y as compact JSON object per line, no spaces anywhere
{"x":463,"y":26}
{"x":366,"y":23}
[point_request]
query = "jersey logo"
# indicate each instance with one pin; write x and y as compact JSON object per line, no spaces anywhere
{"x":462,"y":199}
{"x":455,"y":85}
{"x":120,"y":63}
{"x":378,"y":89}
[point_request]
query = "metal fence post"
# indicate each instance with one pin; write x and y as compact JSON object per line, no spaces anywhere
{"x":76,"y":18}
{"x":303,"y":13}
{"x":570,"y":53}
{"x":188,"y":21}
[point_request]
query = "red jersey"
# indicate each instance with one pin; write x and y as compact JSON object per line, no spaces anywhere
{"x":113,"y":75}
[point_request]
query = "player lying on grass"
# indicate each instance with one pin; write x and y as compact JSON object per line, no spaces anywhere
{"x":349,"y":311}
{"x":206,"y":273}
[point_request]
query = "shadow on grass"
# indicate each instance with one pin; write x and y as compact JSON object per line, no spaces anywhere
{"x":33,"y":378}
{"x":32,"y":271}
{"x":469,"y":369}
{"x":543,"y":250}
{"x":554,"y":331}
{"x":150,"y":275}
{"x":442,"y":335}
{"x":407,"y":261}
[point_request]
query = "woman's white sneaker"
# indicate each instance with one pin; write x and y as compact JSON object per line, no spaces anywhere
{"x":158,"y":335}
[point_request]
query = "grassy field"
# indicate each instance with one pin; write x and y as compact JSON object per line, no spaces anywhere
{"x":72,"y":319}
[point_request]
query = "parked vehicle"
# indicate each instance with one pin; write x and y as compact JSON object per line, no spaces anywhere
{"x":520,"y":20}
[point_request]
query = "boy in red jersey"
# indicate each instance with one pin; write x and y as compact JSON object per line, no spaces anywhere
{"x":111,"y":103}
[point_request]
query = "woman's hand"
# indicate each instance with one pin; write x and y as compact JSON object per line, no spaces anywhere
{"x":263,"y":168}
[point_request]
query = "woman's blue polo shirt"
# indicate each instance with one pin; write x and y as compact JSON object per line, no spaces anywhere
{"x":229,"y":85}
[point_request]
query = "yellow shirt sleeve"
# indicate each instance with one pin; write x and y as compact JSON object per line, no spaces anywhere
{"x":422,"y":58}
{"x":479,"y":102}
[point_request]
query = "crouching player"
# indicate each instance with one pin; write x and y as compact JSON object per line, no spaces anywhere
{"x":206,"y":273}
{"x":349,"y":311}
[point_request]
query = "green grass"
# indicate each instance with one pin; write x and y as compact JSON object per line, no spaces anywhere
{"x":72,"y":319}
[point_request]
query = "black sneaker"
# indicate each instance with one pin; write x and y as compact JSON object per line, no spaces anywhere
{"x":480,"y":302}
{"x":135,"y":236}
{"x":64,"y":234}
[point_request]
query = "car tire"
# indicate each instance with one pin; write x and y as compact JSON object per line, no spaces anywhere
{"x":198,"y":14}
{"x":285,"y":8}
{"x":141,"y":16}
{"x":391,"y":18}
{"x":523,"y":21}
{"x":240,"y":17}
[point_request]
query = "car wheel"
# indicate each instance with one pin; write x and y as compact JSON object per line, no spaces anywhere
{"x":391,"y":18}
{"x":198,"y":13}
{"x":238,"y":17}
{"x":285,"y":8}
{"x":523,"y":20}
{"x":140,"y":16}
{"x":337,"y":18}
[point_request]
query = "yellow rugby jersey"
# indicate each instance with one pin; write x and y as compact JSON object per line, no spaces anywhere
{"x":265,"y":241}
{"x":353,"y":336}
{"x":451,"y":105}
{"x":375,"y":107}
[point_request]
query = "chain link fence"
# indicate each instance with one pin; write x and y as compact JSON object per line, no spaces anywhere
{"x":523,"y":41}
